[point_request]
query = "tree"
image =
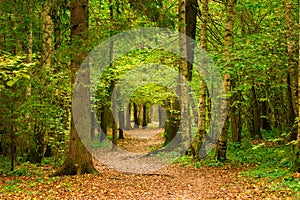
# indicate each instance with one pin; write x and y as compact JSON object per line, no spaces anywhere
{"x":200,"y":137}
{"x":228,"y":45}
{"x":79,"y":159}
{"x":296,"y":161}
{"x":292,"y":65}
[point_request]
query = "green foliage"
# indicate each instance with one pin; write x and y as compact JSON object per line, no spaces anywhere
{"x":13,"y":69}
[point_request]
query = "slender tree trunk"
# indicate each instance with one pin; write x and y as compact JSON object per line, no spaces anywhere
{"x":135,"y":116}
{"x":235,"y":114}
{"x":191,"y":8}
{"x":37,"y":151}
{"x":161,"y":117}
{"x":199,"y":139}
{"x":105,"y":118}
{"x":114,"y":108}
{"x":296,"y":161}
{"x":145,"y":120}
{"x":47,"y":59}
{"x":112,"y":84}
{"x":79,"y":159}
{"x":221,"y":148}
{"x":256,"y":115}
{"x":173,"y":121}
{"x":228,"y":45}
{"x":121,"y":118}
{"x":265,"y":123}
{"x":292,"y":65}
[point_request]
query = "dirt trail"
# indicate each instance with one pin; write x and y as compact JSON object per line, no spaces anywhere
{"x":142,"y":140}
{"x":169,"y":183}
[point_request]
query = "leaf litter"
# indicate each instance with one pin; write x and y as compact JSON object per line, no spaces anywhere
{"x":172,"y":182}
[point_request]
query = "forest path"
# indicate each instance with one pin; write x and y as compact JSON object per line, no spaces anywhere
{"x":142,"y":140}
{"x":172,"y":182}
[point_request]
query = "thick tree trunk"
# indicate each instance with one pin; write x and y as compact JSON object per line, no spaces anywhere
{"x":228,"y":45}
{"x":79,"y":159}
{"x":184,"y":75}
{"x":127,"y":118}
{"x":161,"y":116}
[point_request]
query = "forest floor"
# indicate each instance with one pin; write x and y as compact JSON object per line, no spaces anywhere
{"x":170,"y":182}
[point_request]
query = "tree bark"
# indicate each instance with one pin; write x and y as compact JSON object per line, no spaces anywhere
{"x":191,"y":8}
{"x":296,"y":161}
{"x":199,"y":139}
{"x":184,"y":75}
{"x":173,"y":121}
{"x":127,"y":117}
{"x":228,"y":45}
{"x":135,"y":116}
{"x":37,"y":151}
{"x":145,"y":120}
{"x":79,"y":159}
{"x":292,"y":66}
{"x":256,"y":117}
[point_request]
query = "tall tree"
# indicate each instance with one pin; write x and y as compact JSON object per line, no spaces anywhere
{"x":292,"y":65}
{"x":112,"y":83}
{"x":228,"y":45}
{"x":185,"y":73}
{"x":79,"y":159}
{"x":296,"y":161}
{"x":200,"y":137}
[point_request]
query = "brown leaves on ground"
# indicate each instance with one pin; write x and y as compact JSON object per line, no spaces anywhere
{"x":172,"y":182}
{"x":142,"y":140}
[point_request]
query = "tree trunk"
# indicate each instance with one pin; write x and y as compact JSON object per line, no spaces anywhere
{"x":135,"y":116}
{"x":296,"y":161}
{"x":145,"y":120}
{"x":235,"y":115}
{"x":161,"y":116}
{"x":199,"y":139}
{"x":173,"y":121}
{"x":228,"y":45}
{"x":127,"y":118}
{"x":79,"y":159}
{"x":191,"y":8}
{"x":265,"y":123}
{"x":221,"y":148}
{"x":114,"y":108}
{"x":36,"y":152}
{"x":184,"y":75}
{"x":105,"y":120}
{"x":292,"y":65}
{"x":121,"y":120}
{"x":256,"y":115}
